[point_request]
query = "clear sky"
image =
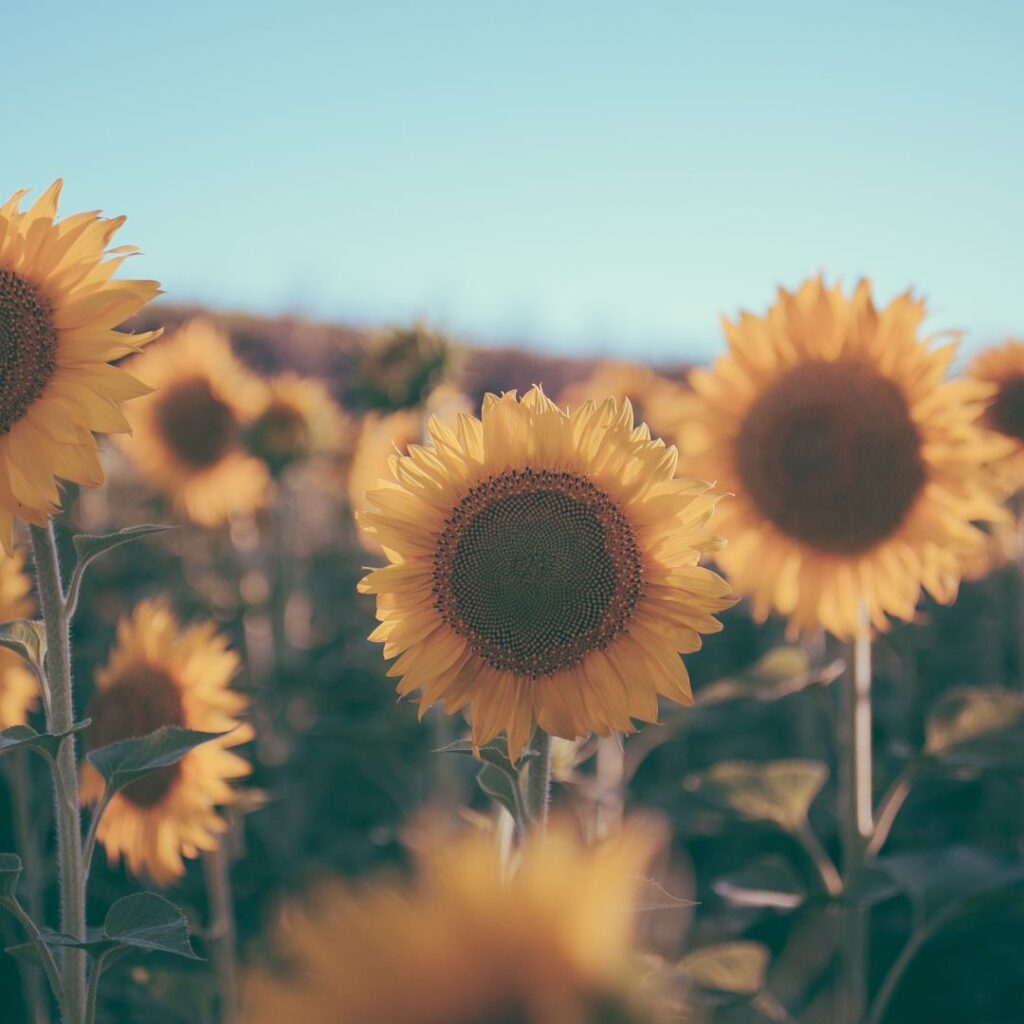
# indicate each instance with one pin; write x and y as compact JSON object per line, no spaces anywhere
{"x":583,"y":175}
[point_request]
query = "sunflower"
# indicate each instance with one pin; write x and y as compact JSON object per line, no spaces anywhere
{"x":59,"y":307}
{"x":298,"y":419}
{"x":18,"y":686}
{"x":464,"y":945}
{"x":381,"y":436}
{"x":188,"y":435}
{"x":857,"y":467}
{"x":160,"y":674}
{"x":656,"y":400}
{"x":543,"y":569}
{"x":1002,"y":368}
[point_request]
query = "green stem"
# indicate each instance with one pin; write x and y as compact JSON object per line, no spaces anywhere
{"x":538,"y":780}
{"x":61,"y":719}
{"x":221,"y":930}
{"x":830,"y":879}
{"x":36,"y":938}
{"x":855,"y":790}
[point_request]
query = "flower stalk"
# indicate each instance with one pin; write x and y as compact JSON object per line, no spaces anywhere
{"x":538,"y":780}
{"x":60,"y":719}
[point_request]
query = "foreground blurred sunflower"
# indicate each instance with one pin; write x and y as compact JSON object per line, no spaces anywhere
{"x":18,"y":686}
{"x":298,"y":419}
{"x":1002,"y":368}
{"x":381,"y":436}
{"x":656,"y":400}
{"x":552,"y":945}
{"x":159,"y":674}
{"x":188,"y":434}
{"x":59,"y":307}
{"x":544,"y":569}
{"x":857,"y":467}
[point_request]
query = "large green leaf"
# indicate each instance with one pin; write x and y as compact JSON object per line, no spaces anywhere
{"x":737,"y":968}
{"x":122,"y":763}
{"x":27,"y":638}
{"x":147,"y":921}
{"x":24,"y":737}
{"x":977,"y":728}
{"x":89,"y":546}
{"x":498,"y":785}
{"x":777,"y":791}
{"x":495,"y":752}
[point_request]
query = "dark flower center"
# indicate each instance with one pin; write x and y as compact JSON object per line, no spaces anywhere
{"x":28,"y":347}
{"x":830,"y":456}
{"x":280,"y":436}
{"x":536,"y":569}
{"x":143,"y":699}
{"x":1006,"y":413}
{"x":196,"y":425}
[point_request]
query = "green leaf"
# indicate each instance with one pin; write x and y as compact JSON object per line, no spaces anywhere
{"x":147,"y":921}
{"x":10,"y":870}
{"x":977,"y":728}
{"x":780,"y":672}
{"x":498,"y":785}
{"x":27,"y":638}
{"x":90,"y":545}
{"x":769,"y":882}
{"x":122,"y":763}
{"x":495,"y":752}
{"x":737,"y":968}
{"x":24,"y":737}
{"x":777,"y":791}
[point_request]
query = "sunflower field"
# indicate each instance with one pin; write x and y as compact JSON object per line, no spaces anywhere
{"x":371,"y":677}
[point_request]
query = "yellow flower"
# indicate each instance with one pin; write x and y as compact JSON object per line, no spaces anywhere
{"x":188,"y":435}
{"x":299,"y":419}
{"x":1002,"y":369}
{"x":18,"y":686}
{"x":543,"y":569}
{"x":59,"y":307}
{"x":656,"y":400}
{"x":160,"y":674}
{"x":857,"y":467}
{"x":551,"y":945}
{"x":381,"y":436}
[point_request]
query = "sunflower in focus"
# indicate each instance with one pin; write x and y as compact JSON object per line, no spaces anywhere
{"x":189,"y":434}
{"x":544,"y":569}
{"x":298,"y":420}
{"x":381,"y":436}
{"x":462,"y":945}
{"x":162,"y":674}
{"x":1002,"y":369}
{"x":18,"y":686}
{"x":656,"y":400}
{"x":857,"y":466}
{"x":59,"y":310}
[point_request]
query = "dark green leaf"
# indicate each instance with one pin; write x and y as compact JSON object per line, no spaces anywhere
{"x":777,"y":791}
{"x":977,"y":728}
{"x":89,"y":545}
{"x":737,"y":968}
{"x":769,"y":882}
{"x":10,"y":870}
{"x":122,"y":763}
{"x":24,"y":737}
{"x":780,"y":672}
{"x":498,"y":785}
{"x":869,"y":886}
{"x":147,"y":921}
{"x":27,"y":638}
{"x":495,"y":752}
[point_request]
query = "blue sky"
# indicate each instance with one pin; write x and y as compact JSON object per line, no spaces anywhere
{"x":581,"y":175}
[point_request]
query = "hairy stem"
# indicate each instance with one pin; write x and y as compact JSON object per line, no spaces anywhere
{"x":538,"y":780}
{"x":61,"y":719}
{"x":221,"y":930}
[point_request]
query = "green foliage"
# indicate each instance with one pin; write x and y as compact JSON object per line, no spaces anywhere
{"x":89,"y":546}
{"x":10,"y":871}
{"x":27,"y":638}
{"x":733,"y":968}
{"x":978,"y":728}
{"x":24,"y":737}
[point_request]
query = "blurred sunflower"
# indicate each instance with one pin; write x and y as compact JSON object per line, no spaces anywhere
{"x":18,"y":686}
{"x":188,"y":435}
{"x":298,"y":419}
{"x":401,"y":366}
{"x":656,"y":400}
{"x":857,"y":467}
{"x":160,"y":674}
{"x":59,"y":307}
{"x":381,"y":436}
{"x":543,"y":569}
{"x":551,"y":945}
{"x":1002,"y":368}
